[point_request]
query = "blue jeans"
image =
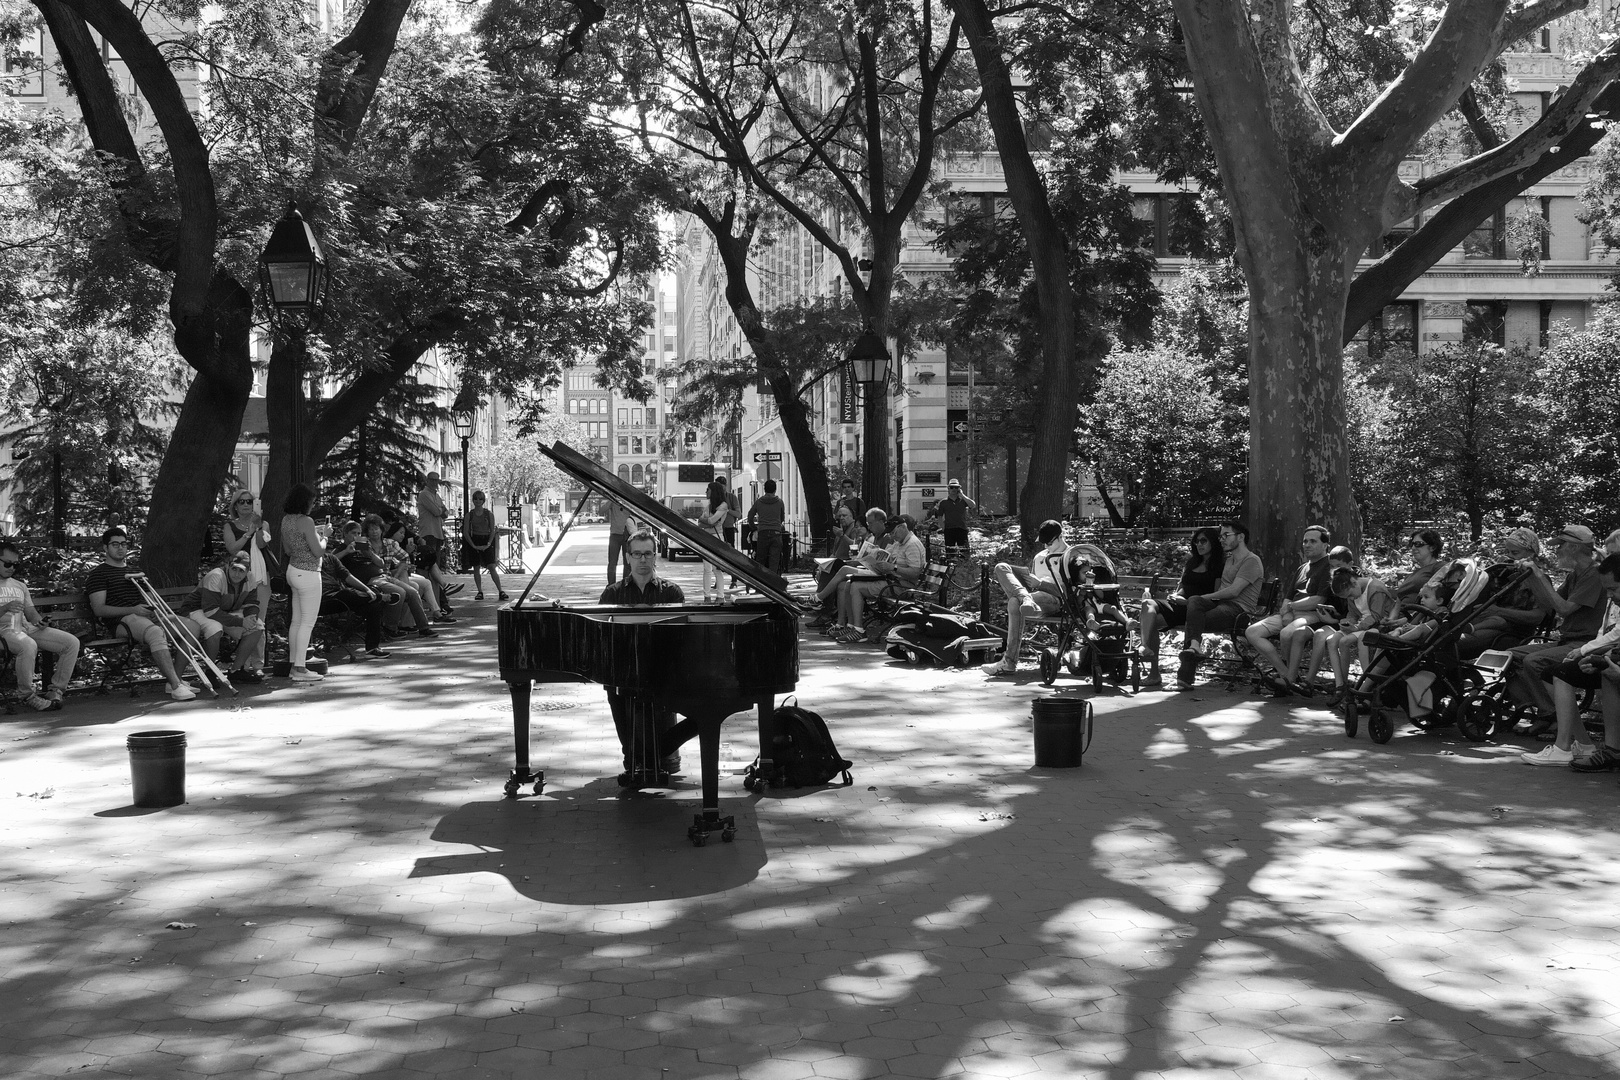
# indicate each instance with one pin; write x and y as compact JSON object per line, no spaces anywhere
{"x":768,"y":550}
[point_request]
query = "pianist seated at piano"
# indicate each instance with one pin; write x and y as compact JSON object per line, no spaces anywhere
{"x":642,"y":586}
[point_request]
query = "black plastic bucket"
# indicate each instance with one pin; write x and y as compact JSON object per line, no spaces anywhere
{"x":1062,"y":731}
{"x":157,"y":767}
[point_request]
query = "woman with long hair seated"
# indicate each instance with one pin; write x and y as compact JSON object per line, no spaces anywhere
{"x":368,"y":567}
{"x":1200,"y":574}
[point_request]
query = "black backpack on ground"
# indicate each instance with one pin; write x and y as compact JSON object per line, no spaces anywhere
{"x":802,"y":753}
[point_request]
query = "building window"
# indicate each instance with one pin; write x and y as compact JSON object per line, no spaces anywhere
{"x":624,"y":473}
{"x":635,"y":444}
{"x":1546,"y":323}
{"x":573,"y":406}
{"x":652,"y":421}
{"x":624,"y":417}
{"x":599,"y":406}
{"x":1489,"y":239}
{"x":1392,"y":239}
{"x":635,"y":417}
{"x":1546,"y":227}
{"x":1486,"y":322}
{"x":25,"y":68}
{"x":1395,"y":327}
{"x":624,"y":444}
{"x":669,"y":343}
{"x":637,"y":476}
{"x":1174,"y":225}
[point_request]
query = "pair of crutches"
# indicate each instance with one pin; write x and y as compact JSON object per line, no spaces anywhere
{"x":185,"y":639}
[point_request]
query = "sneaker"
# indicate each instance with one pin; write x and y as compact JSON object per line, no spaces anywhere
{"x":39,"y":703}
{"x":445,"y":619}
{"x":1000,"y":667}
{"x":1549,"y":755}
{"x":1153,"y":682}
{"x":254,"y":676}
{"x":1027,"y":604}
{"x":378,"y":654}
{"x":426,"y":631}
{"x":1603,"y":759}
{"x":54,"y":694}
{"x":300,"y":674}
{"x":182,"y":692}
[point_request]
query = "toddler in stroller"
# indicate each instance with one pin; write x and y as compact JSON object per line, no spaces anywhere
{"x":1416,"y":665}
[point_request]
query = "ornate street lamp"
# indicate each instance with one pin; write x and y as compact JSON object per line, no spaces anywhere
{"x":465,"y":421}
{"x":292,"y":276}
{"x":869,"y":360}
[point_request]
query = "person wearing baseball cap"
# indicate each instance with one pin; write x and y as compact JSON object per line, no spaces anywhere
{"x":1579,"y":604}
{"x":1513,"y":619}
{"x":953,"y":511}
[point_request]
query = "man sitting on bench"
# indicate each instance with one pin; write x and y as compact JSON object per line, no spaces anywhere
{"x":1236,"y":593}
{"x":1030,"y":593}
{"x":115,"y":600}
{"x":902,"y":564}
{"x":1295,"y":622}
{"x":226,"y":605}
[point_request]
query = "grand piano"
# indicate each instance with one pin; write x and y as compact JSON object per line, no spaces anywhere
{"x":703,"y":661}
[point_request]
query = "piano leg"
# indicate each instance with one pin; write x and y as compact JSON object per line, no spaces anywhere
{"x":708,"y":733}
{"x":521,"y":773}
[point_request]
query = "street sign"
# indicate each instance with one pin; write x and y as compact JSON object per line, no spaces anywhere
{"x":960,"y":427}
{"x":768,"y":455}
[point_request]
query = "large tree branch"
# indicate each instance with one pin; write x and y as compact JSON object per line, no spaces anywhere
{"x":1462,"y":43}
{"x":1468,"y":104}
{"x":1383,"y":282}
{"x":1520,"y":24}
{"x":195,"y":233}
{"x":1566,"y":115}
{"x":352,"y":69}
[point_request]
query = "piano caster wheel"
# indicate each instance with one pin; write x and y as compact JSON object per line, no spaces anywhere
{"x":512,"y":789}
{"x":698,"y":837}
{"x":727,"y":835}
{"x":540,"y":785}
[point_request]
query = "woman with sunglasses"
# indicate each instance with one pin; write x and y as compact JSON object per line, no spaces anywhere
{"x":244,"y":530}
{"x":1426,"y":547}
{"x":25,"y":634}
{"x":1201,"y":574}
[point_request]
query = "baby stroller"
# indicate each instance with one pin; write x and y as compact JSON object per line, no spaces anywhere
{"x":1092,"y":640}
{"x":1459,"y":593}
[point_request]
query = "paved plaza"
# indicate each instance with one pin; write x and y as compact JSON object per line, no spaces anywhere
{"x":1227,"y":888}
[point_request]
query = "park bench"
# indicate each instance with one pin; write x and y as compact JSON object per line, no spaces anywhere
{"x":105,"y":663}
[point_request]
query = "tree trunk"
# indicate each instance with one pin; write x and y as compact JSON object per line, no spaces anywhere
{"x":1114,"y":517}
{"x":808,"y":455}
{"x":1049,"y":263}
{"x":1010,"y":474}
{"x":197,"y":461}
{"x":1299,"y":469}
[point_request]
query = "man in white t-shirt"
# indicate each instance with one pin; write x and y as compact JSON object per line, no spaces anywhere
{"x":25,"y":633}
{"x":1029,"y":592}
{"x":900,"y":563}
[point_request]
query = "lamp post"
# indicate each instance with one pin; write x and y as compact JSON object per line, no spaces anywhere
{"x":464,"y":422}
{"x":870,"y":361}
{"x":292,"y":273}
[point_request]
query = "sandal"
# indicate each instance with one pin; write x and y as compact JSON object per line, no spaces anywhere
{"x":478,"y":596}
{"x":503,"y":596}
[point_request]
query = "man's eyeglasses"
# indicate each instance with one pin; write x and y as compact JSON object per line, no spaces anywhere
{"x":118,"y":543}
{"x":11,"y":563}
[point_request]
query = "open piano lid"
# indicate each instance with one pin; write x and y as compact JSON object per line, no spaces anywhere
{"x":648,"y":509}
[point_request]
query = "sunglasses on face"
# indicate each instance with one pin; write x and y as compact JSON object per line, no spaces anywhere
{"x":11,"y":563}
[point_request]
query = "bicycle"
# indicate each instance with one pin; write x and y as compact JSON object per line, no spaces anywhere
{"x":962,"y":573}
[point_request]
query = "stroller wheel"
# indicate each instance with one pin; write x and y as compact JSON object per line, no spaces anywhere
{"x":1473,"y":723}
{"x":1380,"y":728}
{"x":1049,"y":666}
{"x":1352,"y":715}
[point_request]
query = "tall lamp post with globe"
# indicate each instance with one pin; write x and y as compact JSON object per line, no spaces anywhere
{"x":465,"y":421}
{"x":292,"y":275}
{"x":870,"y":360}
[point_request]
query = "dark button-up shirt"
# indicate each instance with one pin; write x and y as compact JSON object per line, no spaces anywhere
{"x":627,"y":592}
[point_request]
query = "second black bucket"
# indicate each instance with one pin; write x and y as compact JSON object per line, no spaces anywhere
{"x":1062,"y":731}
{"x":157,"y":766}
